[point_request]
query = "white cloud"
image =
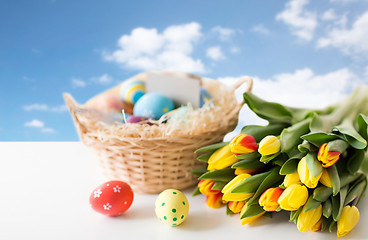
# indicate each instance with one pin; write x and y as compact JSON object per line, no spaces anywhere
{"x":45,"y":107}
{"x":259,"y":28}
{"x":304,"y":88}
{"x":301,"y":21}
{"x":329,"y":15}
{"x":104,"y":79}
{"x":234,"y":50}
{"x":147,"y":49}
{"x":215,"y":53}
{"x":349,"y":41}
{"x":35,"y":123}
{"x":77,"y":82}
{"x":224,"y":34}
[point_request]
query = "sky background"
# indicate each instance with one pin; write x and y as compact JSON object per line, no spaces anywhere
{"x":307,"y":53}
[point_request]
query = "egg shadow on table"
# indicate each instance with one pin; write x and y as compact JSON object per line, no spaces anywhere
{"x":138,"y":214}
{"x":198,"y":222}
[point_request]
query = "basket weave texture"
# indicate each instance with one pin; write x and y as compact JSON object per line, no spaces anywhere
{"x":154,"y":158}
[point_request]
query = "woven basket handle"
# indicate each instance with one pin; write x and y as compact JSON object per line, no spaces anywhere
{"x":240,"y":82}
{"x":73,"y":107}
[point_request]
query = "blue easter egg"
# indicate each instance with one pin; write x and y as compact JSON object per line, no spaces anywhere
{"x":153,"y":105}
{"x":132,"y":90}
{"x":179,"y":114}
{"x":205,"y":97}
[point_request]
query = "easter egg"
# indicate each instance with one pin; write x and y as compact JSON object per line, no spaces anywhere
{"x":171,"y":207}
{"x":205,"y":97}
{"x":132,"y":90}
{"x":153,"y":105}
{"x":136,"y":119}
{"x":179,"y":114}
{"x":112,"y":198}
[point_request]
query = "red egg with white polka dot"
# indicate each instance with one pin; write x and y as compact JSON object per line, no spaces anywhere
{"x":112,"y":198}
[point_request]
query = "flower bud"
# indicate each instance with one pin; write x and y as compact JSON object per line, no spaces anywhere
{"x":292,"y":178}
{"x":221,"y":158}
{"x":348,"y":219}
{"x":249,"y":220}
{"x":325,"y":179}
{"x":239,"y":171}
{"x":308,"y":220}
{"x":328,"y":158}
{"x":229,"y":196}
{"x":306,"y":176}
{"x":236,"y":206}
{"x":243,"y":144}
{"x":269,"y":198}
{"x":269,"y":145}
{"x":205,"y":187}
{"x":214,"y":201}
{"x":293,"y":197}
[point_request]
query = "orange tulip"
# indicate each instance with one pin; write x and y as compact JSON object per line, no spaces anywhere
{"x":243,"y":144}
{"x":205,"y":187}
{"x":269,"y":198}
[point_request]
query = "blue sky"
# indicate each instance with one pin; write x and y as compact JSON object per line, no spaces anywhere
{"x":304,"y":53}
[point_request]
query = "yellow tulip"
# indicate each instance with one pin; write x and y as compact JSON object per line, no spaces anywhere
{"x":269,"y":198}
{"x":205,"y":187}
{"x":308,"y":220}
{"x":221,"y":158}
{"x":325,"y":179}
{"x":348,"y":219}
{"x":214,"y":201}
{"x":269,"y":145}
{"x":236,"y":206}
{"x":328,"y":158}
{"x":243,"y":144}
{"x":249,"y":220}
{"x":316,"y":227}
{"x":239,"y":171}
{"x":292,"y":178}
{"x":229,"y":196}
{"x":306,"y":176}
{"x":293,"y":197}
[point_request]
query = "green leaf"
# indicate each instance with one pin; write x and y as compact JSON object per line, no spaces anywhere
{"x":266,"y":159}
{"x":355,"y":161}
{"x":362,"y":122}
{"x":351,"y":135}
{"x":198,"y":171}
{"x":306,"y":147}
{"x":327,"y":208}
{"x":314,"y":166}
{"x":364,"y":166}
{"x":248,"y":164}
{"x":319,"y":138}
{"x":218,"y":185}
{"x":347,"y":178}
{"x":335,"y":179}
{"x":338,"y":145}
{"x":273,"y":179}
{"x":290,"y":137}
{"x":325,"y":222}
{"x":252,"y":210}
{"x":250,"y":184}
{"x":311,"y":204}
{"x":355,"y":191}
{"x":332,"y":226}
{"x":338,"y":203}
{"x":223,"y":175}
{"x":212,"y":148}
{"x":295,"y":214}
{"x":204,"y":157}
{"x":259,"y":132}
{"x":273,"y":112}
{"x":253,"y":155}
{"x":290,"y":166}
{"x":322,"y":193}
{"x":196,"y":192}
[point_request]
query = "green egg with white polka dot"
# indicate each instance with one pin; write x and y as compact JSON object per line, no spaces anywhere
{"x":171,"y":207}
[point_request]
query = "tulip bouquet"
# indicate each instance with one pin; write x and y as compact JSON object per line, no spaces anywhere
{"x":310,"y":163}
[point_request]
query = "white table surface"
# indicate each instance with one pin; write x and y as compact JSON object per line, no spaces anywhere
{"x":45,"y":190}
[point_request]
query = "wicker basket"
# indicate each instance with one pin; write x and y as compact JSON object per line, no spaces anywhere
{"x":153,"y":164}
